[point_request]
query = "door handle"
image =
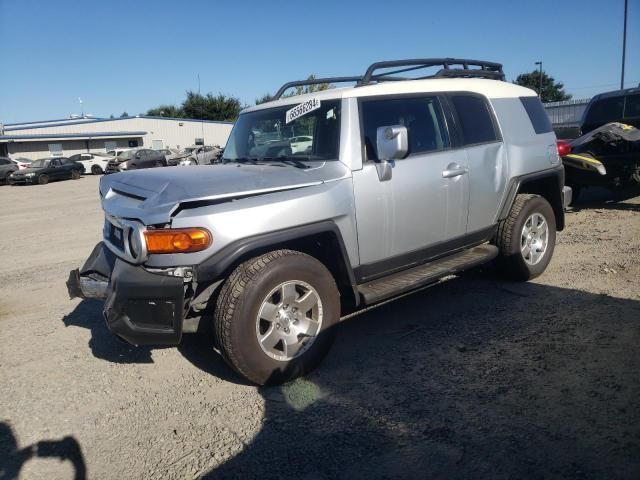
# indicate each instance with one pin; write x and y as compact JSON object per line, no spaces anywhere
{"x":454,"y":170}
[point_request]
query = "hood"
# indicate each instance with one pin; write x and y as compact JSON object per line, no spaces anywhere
{"x":153,"y":195}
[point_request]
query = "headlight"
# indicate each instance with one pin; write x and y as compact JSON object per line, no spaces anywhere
{"x":135,"y":243}
{"x":30,"y":175}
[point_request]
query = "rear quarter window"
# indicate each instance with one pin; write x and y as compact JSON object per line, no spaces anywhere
{"x":537,"y":115}
{"x":474,"y":118}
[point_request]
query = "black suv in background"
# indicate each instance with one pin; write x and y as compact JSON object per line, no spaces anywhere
{"x":618,"y":106}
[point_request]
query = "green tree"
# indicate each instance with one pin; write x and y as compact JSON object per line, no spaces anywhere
{"x":165,"y":111}
{"x":267,"y":97}
{"x":210,"y":107}
{"x":310,"y":88}
{"x":552,"y":91}
{"x":124,"y":114}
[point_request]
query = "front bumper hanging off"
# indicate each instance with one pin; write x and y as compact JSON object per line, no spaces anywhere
{"x":141,"y":307}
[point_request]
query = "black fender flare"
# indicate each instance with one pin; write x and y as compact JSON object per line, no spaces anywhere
{"x":553,"y":196}
{"x":219,"y":264}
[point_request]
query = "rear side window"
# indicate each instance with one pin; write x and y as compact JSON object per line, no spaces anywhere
{"x":537,"y":115}
{"x":475,"y":120}
{"x":632,"y":106}
{"x":422,"y":116}
{"x":605,"y":110}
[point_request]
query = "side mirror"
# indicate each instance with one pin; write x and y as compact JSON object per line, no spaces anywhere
{"x":392,"y":143}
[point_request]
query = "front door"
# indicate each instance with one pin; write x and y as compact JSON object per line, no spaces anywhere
{"x":422,"y":210}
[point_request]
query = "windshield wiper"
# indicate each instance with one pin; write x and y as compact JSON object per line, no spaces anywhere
{"x":290,"y":159}
{"x":251,"y":160}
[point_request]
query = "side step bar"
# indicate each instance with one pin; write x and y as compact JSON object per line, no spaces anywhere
{"x":423,"y":275}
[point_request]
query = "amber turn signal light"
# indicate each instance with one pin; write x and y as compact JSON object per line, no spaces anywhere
{"x":177,"y":240}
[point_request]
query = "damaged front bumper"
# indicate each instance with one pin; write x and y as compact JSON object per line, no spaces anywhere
{"x":141,"y":307}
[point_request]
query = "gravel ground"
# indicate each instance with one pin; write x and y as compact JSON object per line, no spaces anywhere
{"x":473,"y":378}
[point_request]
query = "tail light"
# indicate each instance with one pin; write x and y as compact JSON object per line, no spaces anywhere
{"x":564,"y":148}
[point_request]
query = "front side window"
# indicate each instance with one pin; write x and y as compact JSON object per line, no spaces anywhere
{"x":268,"y":134}
{"x":422,"y":116}
{"x":475,"y":120}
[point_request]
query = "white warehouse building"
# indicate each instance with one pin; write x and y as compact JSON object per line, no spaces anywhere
{"x":65,"y":137}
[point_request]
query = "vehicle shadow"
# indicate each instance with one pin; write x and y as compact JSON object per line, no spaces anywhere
{"x":14,"y":458}
{"x":607,"y":199}
{"x":103,"y":344}
{"x":475,"y":378}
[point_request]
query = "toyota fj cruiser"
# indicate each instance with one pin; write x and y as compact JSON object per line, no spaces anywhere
{"x":403,"y":182}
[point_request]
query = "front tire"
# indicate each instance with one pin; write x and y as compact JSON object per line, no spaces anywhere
{"x":526,"y":238}
{"x":43,"y":179}
{"x":276,"y":316}
{"x":75,"y":174}
{"x":96,"y":170}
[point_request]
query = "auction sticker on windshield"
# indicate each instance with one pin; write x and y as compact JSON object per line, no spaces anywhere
{"x":302,"y":109}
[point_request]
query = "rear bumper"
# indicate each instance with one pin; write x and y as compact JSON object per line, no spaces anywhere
{"x":141,"y":307}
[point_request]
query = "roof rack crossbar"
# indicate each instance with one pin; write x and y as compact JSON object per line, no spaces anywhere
{"x":314,"y":81}
{"x":483,"y":69}
{"x":446,"y":63}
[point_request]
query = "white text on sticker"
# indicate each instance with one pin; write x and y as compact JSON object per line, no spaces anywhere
{"x":302,"y":109}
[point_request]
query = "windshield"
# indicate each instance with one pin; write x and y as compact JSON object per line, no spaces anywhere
{"x":40,"y":163}
{"x":266,"y":134}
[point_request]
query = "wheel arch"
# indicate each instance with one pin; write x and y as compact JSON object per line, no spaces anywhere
{"x":322,"y":241}
{"x":548,"y":184}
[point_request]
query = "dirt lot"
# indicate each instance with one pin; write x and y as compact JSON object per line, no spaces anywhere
{"x":473,"y":378}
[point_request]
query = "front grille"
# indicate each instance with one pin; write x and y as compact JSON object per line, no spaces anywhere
{"x":114,"y":234}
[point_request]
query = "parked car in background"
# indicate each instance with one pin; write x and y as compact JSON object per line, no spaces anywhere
{"x":46,"y":169}
{"x":195,"y":155}
{"x":96,"y":163}
{"x":117,"y":151}
{"x":7,"y":167}
{"x":21,"y":162}
{"x":138,"y":158}
{"x":621,"y":106}
{"x":300,"y":144}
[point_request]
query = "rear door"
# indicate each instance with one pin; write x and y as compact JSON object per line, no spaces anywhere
{"x":486,"y":160}
{"x":421,"y":211}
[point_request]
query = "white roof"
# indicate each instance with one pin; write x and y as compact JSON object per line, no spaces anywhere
{"x":486,"y":87}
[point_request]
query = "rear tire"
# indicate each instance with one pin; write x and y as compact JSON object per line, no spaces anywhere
{"x":526,"y":238}
{"x":266,"y":323}
{"x":96,"y":170}
{"x":43,"y":179}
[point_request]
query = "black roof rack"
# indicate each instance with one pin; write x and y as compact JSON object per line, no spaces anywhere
{"x":451,"y":68}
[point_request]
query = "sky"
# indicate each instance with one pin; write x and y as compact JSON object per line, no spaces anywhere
{"x":134,"y":55}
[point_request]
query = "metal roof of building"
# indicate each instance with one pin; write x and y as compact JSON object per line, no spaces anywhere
{"x":84,"y":121}
{"x":69,"y":136}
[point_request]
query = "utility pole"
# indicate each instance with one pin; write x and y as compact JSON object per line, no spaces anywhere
{"x":201,"y":112}
{"x":624,"y":44}
{"x":540,"y":87}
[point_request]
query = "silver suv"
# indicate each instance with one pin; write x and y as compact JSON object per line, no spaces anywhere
{"x":402,"y":183}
